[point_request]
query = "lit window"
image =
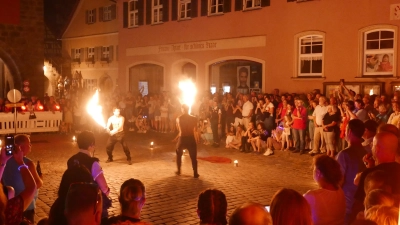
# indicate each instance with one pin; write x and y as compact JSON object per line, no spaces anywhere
{"x":310,"y":55}
{"x":216,"y":7}
{"x":249,"y":4}
{"x":157,"y":11}
{"x":105,"y":52}
{"x":90,"y":53}
{"x":133,"y":13}
{"x":106,"y":13}
{"x":378,"y":56}
{"x":184,"y":9}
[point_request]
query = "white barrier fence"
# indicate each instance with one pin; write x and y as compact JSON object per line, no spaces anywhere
{"x":44,"y":122}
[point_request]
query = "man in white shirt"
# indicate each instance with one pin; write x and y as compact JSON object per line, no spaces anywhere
{"x":247,"y":111}
{"x":318,"y":115}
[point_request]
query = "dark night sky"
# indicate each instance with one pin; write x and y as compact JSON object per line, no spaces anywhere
{"x":57,"y":14}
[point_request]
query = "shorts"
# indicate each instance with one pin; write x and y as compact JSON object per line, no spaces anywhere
{"x":157,"y":118}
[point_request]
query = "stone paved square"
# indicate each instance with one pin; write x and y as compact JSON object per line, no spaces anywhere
{"x":172,"y":199}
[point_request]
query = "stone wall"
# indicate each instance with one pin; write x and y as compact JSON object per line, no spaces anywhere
{"x":22,"y":46}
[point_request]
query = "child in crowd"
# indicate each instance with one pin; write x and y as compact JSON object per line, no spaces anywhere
{"x":288,"y":121}
{"x":230,"y":136}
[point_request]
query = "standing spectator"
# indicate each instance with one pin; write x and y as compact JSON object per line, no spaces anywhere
{"x":250,"y":213}
{"x":299,"y":126}
{"x":328,"y":204}
{"x":370,"y":130}
{"x":13,"y":177}
{"x":288,"y":207}
{"x":215,"y":120}
{"x":212,"y":207}
{"x":86,"y":145}
{"x":318,"y":115}
{"x":164,"y":117}
{"x":247,"y":111}
{"x":132,"y":199}
{"x":351,"y":162}
{"x":359,"y":112}
{"x":151,"y":105}
{"x":311,"y":127}
{"x":381,"y":117}
{"x":129,"y":101}
{"x":269,"y":114}
{"x":330,"y":121}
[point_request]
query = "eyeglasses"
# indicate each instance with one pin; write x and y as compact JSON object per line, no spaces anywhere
{"x":94,"y":187}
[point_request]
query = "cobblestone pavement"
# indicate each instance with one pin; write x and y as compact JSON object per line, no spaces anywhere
{"x":172,"y":199}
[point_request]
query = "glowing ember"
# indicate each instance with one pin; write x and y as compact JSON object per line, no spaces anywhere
{"x":95,"y":110}
{"x":188,"y":93}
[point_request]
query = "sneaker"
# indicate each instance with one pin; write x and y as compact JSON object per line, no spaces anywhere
{"x":109,"y":160}
{"x":312,"y":152}
{"x":268,"y":152}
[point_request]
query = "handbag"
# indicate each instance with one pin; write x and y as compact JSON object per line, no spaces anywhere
{"x":32,"y":116}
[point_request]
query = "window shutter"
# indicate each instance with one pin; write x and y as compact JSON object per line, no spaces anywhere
{"x":140,"y":7}
{"x":227,"y":6}
{"x":238,"y":5}
{"x":125,"y":15}
{"x":193,"y":8}
{"x":86,"y":54}
{"x":94,"y":15}
{"x":87,"y":17}
{"x":165,"y":10}
{"x":111,"y":55}
{"x":97,"y":53}
{"x":82,"y":55}
{"x":72,"y":53}
{"x":265,"y":3}
{"x":100,"y":14}
{"x":204,"y":7}
{"x":148,"y":11}
{"x":113,"y":11}
{"x":174,"y":10}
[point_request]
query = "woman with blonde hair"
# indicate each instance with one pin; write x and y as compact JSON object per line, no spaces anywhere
{"x":383,"y":215}
{"x":288,"y":207}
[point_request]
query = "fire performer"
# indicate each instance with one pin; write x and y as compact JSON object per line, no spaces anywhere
{"x":187,"y":127}
{"x":116,"y":135}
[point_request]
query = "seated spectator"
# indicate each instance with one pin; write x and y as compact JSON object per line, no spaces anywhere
{"x":328,"y":204}
{"x":132,"y":198}
{"x":381,"y":117}
{"x":394,"y":130}
{"x":247,"y":134}
{"x":378,"y":197}
{"x":11,"y":211}
{"x":207,"y":135}
{"x":237,"y":140}
{"x":383,"y":215}
{"x":394,"y":118}
{"x":141,"y":123}
{"x":377,"y":179}
{"x":75,"y":174}
{"x":83,"y":204}
{"x":12,"y":176}
{"x":288,"y":207}
{"x":250,"y":214}
{"x":212,"y":207}
{"x":230,"y":136}
{"x":258,"y":139}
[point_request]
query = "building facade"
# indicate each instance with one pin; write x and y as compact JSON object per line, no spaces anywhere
{"x":295,"y":46}
{"x":21,"y":47}
{"x":90,"y":43}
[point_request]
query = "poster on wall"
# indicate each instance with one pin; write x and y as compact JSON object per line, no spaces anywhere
{"x":243,"y":79}
{"x":379,"y":63}
{"x":333,"y":89}
{"x":143,"y":87}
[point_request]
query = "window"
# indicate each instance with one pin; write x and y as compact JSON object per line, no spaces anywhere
{"x":157,"y":11}
{"x":184,"y":9}
{"x":77,"y":54}
{"x":90,"y":84}
{"x":105,"y":52}
{"x":91,"y":16}
{"x":90,"y":53}
{"x":107,"y":13}
{"x":250,"y":4}
{"x":310,"y":55}
{"x":216,"y":7}
{"x":133,"y":13}
{"x":378,"y":56}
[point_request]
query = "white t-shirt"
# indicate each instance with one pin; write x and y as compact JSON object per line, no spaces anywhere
{"x":269,"y":107}
{"x":319,"y":113}
{"x":327,"y":207}
{"x":247,"y":107}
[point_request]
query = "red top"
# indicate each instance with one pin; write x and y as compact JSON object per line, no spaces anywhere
{"x":300,"y":124}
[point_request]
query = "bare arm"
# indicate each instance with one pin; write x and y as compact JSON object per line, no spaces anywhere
{"x":101,"y":181}
{"x":36,"y":177}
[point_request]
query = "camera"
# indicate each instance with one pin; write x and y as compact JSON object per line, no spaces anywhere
{"x":9,"y":144}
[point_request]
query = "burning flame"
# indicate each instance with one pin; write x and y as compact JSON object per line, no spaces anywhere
{"x":188,"y":92}
{"x":95,"y":110}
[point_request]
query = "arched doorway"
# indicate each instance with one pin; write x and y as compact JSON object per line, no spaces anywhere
{"x":189,"y":70}
{"x":146,"y":78}
{"x":236,"y":76}
{"x":106,"y":84}
{"x":6,"y":79}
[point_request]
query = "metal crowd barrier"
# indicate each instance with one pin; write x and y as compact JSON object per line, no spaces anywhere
{"x":44,"y":122}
